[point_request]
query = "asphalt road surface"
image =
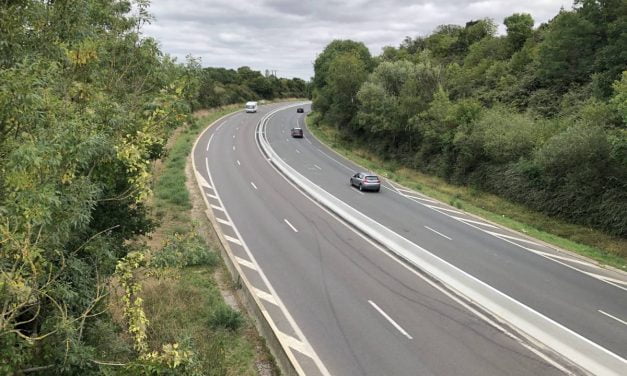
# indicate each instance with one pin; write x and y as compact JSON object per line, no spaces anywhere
{"x":345,"y":306}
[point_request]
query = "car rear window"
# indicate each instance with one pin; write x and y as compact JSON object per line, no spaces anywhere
{"x":372,"y":178}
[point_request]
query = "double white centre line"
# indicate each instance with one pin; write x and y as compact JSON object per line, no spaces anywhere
{"x":373,"y":304}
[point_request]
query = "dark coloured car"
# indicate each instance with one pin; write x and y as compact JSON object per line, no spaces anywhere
{"x":366,"y":181}
{"x":300,"y":110}
{"x":297,"y":132}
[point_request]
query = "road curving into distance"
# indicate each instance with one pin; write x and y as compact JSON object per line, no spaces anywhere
{"x":343,"y":304}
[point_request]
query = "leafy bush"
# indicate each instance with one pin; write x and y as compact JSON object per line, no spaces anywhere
{"x":225,"y":317}
{"x":181,"y":250}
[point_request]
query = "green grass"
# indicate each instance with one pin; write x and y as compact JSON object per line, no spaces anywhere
{"x":606,"y":249}
{"x":184,"y":305}
{"x":180,"y":310}
{"x":171,"y":198}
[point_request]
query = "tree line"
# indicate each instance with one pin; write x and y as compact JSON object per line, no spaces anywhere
{"x":221,"y":86}
{"x":538,"y":115}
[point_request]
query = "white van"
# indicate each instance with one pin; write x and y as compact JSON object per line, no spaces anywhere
{"x":251,"y":107}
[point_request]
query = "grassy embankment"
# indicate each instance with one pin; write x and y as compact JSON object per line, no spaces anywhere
{"x":187,"y":306}
{"x":606,"y":249}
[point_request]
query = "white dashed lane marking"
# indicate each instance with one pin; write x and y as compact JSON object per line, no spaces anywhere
{"x":614,"y":317}
{"x":439,"y":233}
{"x":289,"y":224}
{"x":398,"y":327}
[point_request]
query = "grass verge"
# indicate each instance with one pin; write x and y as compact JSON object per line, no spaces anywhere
{"x":187,"y":294}
{"x":594,"y":244}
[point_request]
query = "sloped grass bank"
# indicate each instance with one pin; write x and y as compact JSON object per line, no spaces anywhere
{"x":184,"y":290}
{"x":605,"y":249}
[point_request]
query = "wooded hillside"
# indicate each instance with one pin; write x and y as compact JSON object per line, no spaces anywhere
{"x":538,"y":115}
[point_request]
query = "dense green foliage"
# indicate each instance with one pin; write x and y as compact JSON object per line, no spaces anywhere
{"x":537,"y":115}
{"x":221,"y":86}
{"x":86,"y":104}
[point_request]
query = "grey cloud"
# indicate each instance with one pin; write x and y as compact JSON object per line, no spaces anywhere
{"x":286,"y":35}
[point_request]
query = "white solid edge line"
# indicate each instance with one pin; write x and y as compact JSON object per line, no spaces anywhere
{"x":499,"y":235}
{"x":439,"y":233}
{"x":569,"y":259}
{"x":421,"y":198}
{"x":282,"y":337}
{"x":398,"y":327}
{"x":289,"y":224}
{"x":519,"y":315}
{"x":613,"y":317}
{"x":475,"y":222}
{"x":445,"y":209}
{"x":253,"y":184}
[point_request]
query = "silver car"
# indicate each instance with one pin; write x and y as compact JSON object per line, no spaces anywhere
{"x":366,"y":181}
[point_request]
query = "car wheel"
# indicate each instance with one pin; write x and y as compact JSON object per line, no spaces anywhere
{"x":361,"y":188}
{"x":378,"y":189}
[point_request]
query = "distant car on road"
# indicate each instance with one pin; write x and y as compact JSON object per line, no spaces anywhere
{"x":297,"y":132}
{"x":366,"y":181}
{"x":251,"y":107}
{"x":300,"y":110}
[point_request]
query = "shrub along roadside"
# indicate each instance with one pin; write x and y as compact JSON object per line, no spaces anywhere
{"x":191,"y":330}
{"x":588,"y":242}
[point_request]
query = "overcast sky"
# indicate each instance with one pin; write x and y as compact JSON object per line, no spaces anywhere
{"x":287,"y":35}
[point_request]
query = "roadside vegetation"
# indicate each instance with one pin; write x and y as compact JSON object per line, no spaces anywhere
{"x":102,"y":269}
{"x":528,"y":129}
{"x":183,"y":285}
